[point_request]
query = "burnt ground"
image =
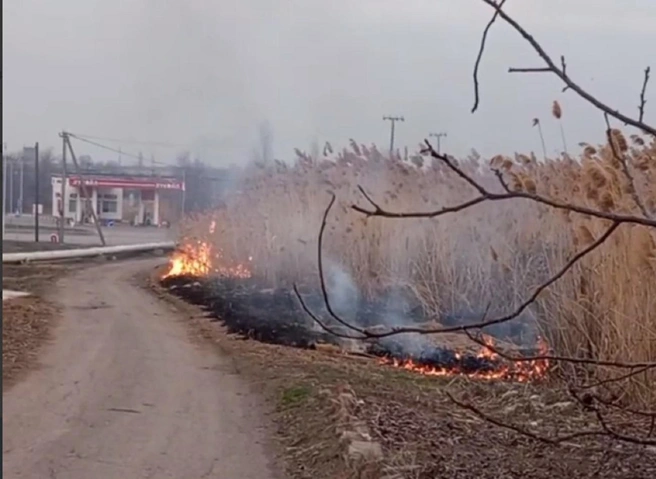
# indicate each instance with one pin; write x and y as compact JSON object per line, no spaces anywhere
{"x":423,"y":433}
{"x":27,"y":321}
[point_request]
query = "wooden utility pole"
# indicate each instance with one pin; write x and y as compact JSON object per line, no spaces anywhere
{"x":4,"y":188}
{"x":10,"y":177}
{"x":21,"y":186}
{"x":393,"y":120}
{"x":84,"y":188}
{"x":64,"y":180}
{"x":439,"y":136}
{"x":36,"y":192}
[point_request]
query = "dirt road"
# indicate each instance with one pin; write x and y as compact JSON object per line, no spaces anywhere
{"x":123,"y":393}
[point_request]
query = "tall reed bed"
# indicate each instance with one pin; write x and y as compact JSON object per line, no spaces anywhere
{"x":492,"y":255}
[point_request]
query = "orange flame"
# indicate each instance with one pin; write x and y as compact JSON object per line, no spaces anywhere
{"x":519,"y":371}
{"x":200,"y":259}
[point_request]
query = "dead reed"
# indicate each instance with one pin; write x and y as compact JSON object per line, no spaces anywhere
{"x":495,"y":253}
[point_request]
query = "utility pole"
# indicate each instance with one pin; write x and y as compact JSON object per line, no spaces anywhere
{"x":393,"y":120}
{"x":36,"y":192}
{"x":64,"y":179}
{"x":4,"y":187}
{"x":22,"y":183}
{"x":10,"y":177}
{"x":85,"y":190}
{"x":439,"y":136}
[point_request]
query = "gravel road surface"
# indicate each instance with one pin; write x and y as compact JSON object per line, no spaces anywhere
{"x":124,"y":393}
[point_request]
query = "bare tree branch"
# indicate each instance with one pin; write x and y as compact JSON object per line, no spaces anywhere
{"x":643,"y":92}
{"x":520,"y":430}
{"x":615,"y":379}
{"x":479,"y":57}
{"x":322,"y":278}
{"x":322,"y":324}
{"x":562,"y":74}
{"x":550,"y":357}
{"x":605,"y":402}
{"x":590,"y":403}
{"x":368,"y":334}
{"x":486,"y":195}
{"x":605,"y":430}
{"x":529,"y":70}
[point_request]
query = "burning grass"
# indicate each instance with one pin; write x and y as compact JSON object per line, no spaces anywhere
{"x":274,"y":316}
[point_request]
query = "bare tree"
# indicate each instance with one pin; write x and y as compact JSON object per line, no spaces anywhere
{"x":592,"y":401}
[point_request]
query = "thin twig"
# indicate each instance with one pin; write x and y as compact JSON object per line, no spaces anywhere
{"x":551,"y":357}
{"x":481,"y":49}
{"x":643,"y":92}
{"x":322,"y":278}
{"x":636,"y":412}
{"x":520,"y":430}
{"x":615,"y":379}
{"x":620,"y":436}
{"x":560,"y":73}
{"x":529,"y":70}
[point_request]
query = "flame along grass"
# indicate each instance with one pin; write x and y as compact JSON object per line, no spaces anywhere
{"x":524,"y":371}
{"x":201,"y":259}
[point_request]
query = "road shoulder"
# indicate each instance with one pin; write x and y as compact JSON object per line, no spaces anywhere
{"x":121,"y":392}
{"x":27,"y":322}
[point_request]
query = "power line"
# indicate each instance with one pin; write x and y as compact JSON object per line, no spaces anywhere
{"x":155,"y":143}
{"x":109,"y":148}
{"x":133,"y":142}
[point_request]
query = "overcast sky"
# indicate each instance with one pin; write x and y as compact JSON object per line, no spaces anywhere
{"x":206,"y":72}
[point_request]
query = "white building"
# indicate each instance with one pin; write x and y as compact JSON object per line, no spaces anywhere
{"x":131,"y":199}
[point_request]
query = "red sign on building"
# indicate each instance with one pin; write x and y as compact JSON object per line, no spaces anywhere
{"x":134,"y":183}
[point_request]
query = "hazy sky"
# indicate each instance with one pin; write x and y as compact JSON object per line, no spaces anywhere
{"x":207,"y":72}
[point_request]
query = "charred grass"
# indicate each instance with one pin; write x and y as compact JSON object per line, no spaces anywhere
{"x":422,"y":433}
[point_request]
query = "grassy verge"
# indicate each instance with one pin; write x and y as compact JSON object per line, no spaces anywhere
{"x":340,"y":416}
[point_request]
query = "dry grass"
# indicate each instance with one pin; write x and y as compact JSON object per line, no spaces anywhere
{"x":494,"y":253}
{"x":26,"y":322}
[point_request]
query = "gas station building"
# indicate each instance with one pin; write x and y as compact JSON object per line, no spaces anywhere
{"x":136,"y":200}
